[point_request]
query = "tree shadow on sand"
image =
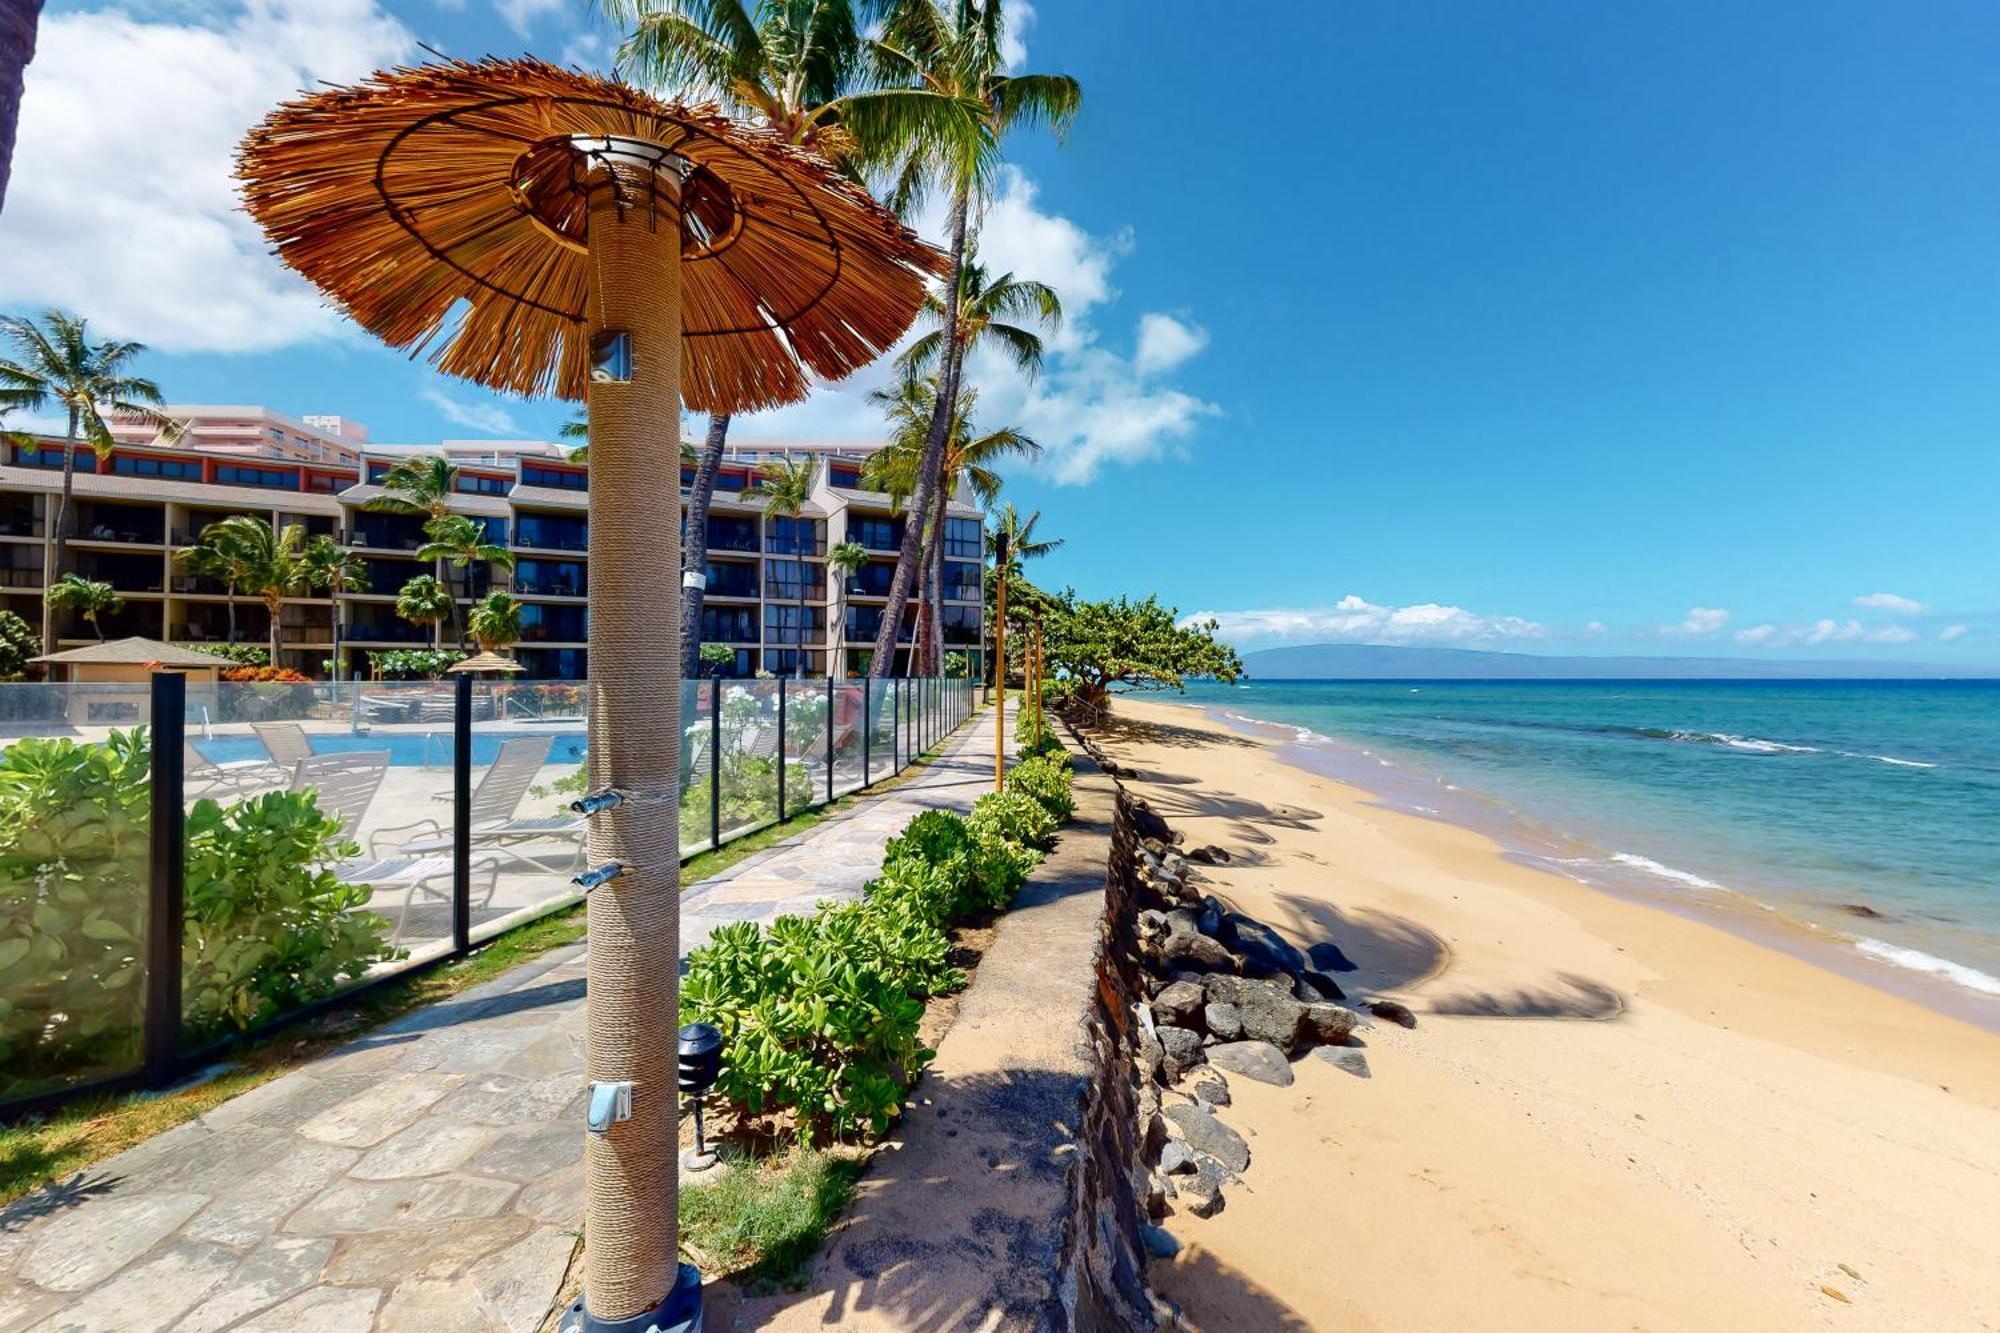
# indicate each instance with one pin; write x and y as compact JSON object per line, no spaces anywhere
{"x":1570,"y":997}
{"x":1132,"y":731}
{"x":1389,"y":952}
{"x":1218,"y":1298}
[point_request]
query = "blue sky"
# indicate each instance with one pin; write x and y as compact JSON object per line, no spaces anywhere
{"x":1651,"y":327}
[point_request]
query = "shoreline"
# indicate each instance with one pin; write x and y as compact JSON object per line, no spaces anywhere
{"x":1609,"y":1115}
{"x":1524,"y":841}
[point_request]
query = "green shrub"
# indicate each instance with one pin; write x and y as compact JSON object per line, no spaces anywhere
{"x":1000,"y":867}
{"x":19,"y":641}
{"x":749,"y":795}
{"x":1015,"y":816}
{"x":810,"y":1021}
{"x":268,"y":928}
{"x":1047,"y":782}
{"x":1045,"y":746}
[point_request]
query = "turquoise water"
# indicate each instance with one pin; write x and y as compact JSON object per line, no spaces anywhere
{"x":1807,"y":797}
{"x":406,"y":749}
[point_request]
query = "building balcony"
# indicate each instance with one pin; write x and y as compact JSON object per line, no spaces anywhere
{"x":21,"y":578}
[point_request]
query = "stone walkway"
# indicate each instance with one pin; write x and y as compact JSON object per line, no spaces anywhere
{"x":426,"y":1177}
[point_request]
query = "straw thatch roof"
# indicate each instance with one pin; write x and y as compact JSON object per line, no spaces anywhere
{"x":485,"y":662}
{"x":133,"y":652}
{"x":444,"y":208}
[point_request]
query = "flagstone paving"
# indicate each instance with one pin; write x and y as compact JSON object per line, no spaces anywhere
{"x":425,"y":1177}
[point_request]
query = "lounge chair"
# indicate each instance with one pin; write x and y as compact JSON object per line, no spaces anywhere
{"x":496,"y":826}
{"x":234,"y":777}
{"x":429,"y":876}
{"x":346,"y":783}
{"x":285,"y":742}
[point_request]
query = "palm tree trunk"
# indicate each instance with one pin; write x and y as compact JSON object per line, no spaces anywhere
{"x":17,"y":48}
{"x":276,"y":608}
{"x":931,"y":465}
{"x":229,"y":608}
{"x":338,"y":626}
{"x":934,"y":644}
{"x":58,"y":550}
{"x":694,"y":551}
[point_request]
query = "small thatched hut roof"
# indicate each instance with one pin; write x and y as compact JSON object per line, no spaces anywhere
{"x":485,"y":662}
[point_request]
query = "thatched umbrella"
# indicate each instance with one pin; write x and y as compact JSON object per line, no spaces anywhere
{"x":537,"y":230}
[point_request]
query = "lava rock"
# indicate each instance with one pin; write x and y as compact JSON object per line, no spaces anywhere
{"x":1159,"y":1242}
{"x":1179,"y":1003}
{"x":1181,"y":1051}
{"x":1151,"y":924}
{"x":1323,"y":987}
{"x":1393,"y":1012}
{"x":1264,"y":950}
{"x":1176,"y":1158}
{"x":1346,"y":1058}
{"x":1327,"y":1024}
{"x":1210,"y":1137}
{"x":1253,"y":1059}
{"x":1211,"y":1091}
{"x":1225,"y":1021}
{"x":1151,"y":1054}
{"x":1201,"y":1193}
{"x":1209,"y":918}
{"x":1268,"y":1010}
{"x":1149,"y":825}
{"x":1329,"y":958}
{"x":1209,"y":856}
{"x":1196,"y":951}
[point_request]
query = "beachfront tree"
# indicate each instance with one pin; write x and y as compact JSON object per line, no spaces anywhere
{"x":339,"y":571}
{"x":461,"y":542}
{"x":425,"y":602}
{"x":785,"y":487}
{"x":1135,"y":646}
{"x":952,"y":52}
{"x":56,"y":365}
{"x":17,"y":48}
{"x":843,"y":561}
{"x":787,"y":65}
{"x":495,"y":623}
{"x":89,"y":598}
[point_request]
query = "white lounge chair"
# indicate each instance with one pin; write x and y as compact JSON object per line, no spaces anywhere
{"x":496,"y":827}
{"x":346,"y":783}
{"x":429,"y":876}
{"x":234,"y":777}
{"x":285,"y":742}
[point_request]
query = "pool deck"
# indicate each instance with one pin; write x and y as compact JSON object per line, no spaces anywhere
{"x":427,"y":1176}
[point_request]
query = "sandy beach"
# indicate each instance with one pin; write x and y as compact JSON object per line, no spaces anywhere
{"x":1609,"y":1116}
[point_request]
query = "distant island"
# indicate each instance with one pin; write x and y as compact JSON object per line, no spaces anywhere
{"x":1367,"y":661}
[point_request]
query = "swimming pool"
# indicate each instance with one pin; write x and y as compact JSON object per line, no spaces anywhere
{"x":407,"y":749}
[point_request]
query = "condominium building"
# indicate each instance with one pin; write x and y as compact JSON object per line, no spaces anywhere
{"x":769,"y":597}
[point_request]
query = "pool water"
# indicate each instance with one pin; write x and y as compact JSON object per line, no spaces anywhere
{"x":407,"y":749}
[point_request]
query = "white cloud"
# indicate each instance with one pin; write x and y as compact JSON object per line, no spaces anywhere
{"x":1165,"y":342}
{"x":1823,"y":632}
{"x":588,"y":51}
{"x":1014,"y":40}
{"x":123,"y":206}
{"x":522,"y":15}
{"x":491,"y":418}
{"x":1951,"y":633}
{"x":1093,"y":405}
{"x":1355,"y":620}
{"x":1889,"y":601}
{"x":1757,"y":634}
{"x":1699,"y":622}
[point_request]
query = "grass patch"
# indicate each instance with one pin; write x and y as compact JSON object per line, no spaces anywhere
{"x":762,"y":1222}
{"x":38,"y":1150}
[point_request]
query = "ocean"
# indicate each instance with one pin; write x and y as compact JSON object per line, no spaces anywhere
{"x":1867,"y":812}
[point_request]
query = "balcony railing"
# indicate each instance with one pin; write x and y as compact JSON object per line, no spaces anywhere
{"x":20,"y":578}
{"x":550,"y":587}
{"x":20,"y":527}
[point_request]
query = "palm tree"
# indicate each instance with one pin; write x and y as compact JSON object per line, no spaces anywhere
{"x":969,"y":458}
{"x":988,"y":311}
{"x":950,"y":50}
{"x":422,"y":487}
{"x":460,"y":541}
{"x":1009,"y":541}
{"x":790,"y":65}
{"x":495,"y":622}
{"x":219,"y":562}
{"x":843,"y":562}
{"x":74,"y":592}
{"x":785,"y":487}
{"x":338,"y":571}
{"x":270,"y":562}
{"x":17,"y":48}
{"x":56,"y":363}
{"x":425,"y":602}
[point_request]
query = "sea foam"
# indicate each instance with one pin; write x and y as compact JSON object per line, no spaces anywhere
{"x":1916,"y":960}
{"x":1652,"y":867}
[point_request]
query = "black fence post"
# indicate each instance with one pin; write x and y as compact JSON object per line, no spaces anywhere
{"x":461,"y":816}
{"x":166,"y":889}
{"x":784,"y":811}
{"x":714,"y":763}
{"x":829,"y":740}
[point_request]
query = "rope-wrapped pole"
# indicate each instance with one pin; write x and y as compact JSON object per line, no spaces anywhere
{"x":631,"y":1265}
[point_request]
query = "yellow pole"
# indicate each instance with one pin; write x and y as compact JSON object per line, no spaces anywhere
{"x":1000,"y":680}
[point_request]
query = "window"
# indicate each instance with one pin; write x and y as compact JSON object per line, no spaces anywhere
{"x":177,"y":469}
{"x":728,"y":624}
{"x":551,"y":578}
{"x":794,"y":580}
{"x":551,"y":532}
{"x":560,"y":478}
{"x":731,"y":534}
{"x":27,"y":455}
{"x":731,"y":580}
{"x":847,"y":476}
{"x":795,"y":536}
{"x":377,"y":471}
{"x":962,"y":539}
{"x":872,"y":580}
{"x":277,"y":435}
{"x":494,"y":527}
{"x":326,"y":482}
{"x":789,"y":624}
{"x":877,"y":534}
{"x":791,"y":662}
{"x":961,"y":582}
{"x":554,"y":624}
{"x":960,"y":624}
{"x":472,"y":483}
{"x":271,"y":478}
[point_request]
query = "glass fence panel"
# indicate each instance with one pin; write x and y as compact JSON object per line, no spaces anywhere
{"x":697,"y":766}
{"x":527,"y":766}
{"x":805,"y":744}
{"x":749,"y":756}
{"x":881,"y":729}
{"x":848,"y":774}
{"x":75,"y":813}
{"x":317,"y":852}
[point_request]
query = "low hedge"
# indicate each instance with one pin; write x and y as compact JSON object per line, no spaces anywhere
{"x":819,"y":1013}
{"x":1047,"y":782}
